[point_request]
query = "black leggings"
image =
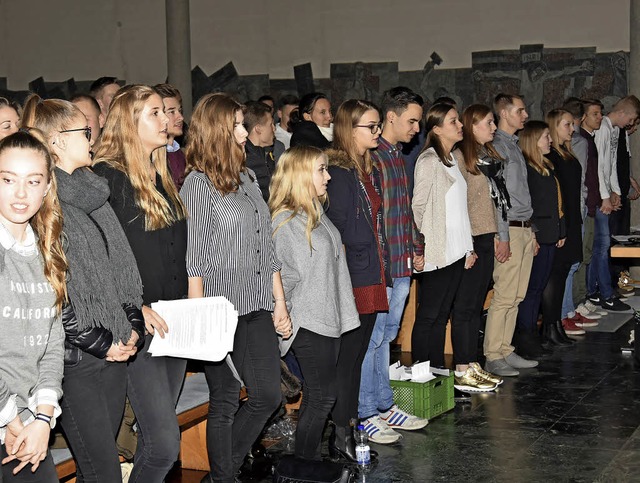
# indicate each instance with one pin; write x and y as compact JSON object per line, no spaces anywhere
{"x":554,"y":291}
{"x":317,"y":356}
{"x":46,"y":472}
{"x":353,"y":347}
{"x":467,"y":306}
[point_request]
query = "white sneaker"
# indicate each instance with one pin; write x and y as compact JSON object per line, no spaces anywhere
{"x":396,"y":418}
{"x":586,"y":313}
{"x":379,"y":432}
{"x":593,"y":308}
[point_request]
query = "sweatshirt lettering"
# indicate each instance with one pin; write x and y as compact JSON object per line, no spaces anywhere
{"x":31,"y":287}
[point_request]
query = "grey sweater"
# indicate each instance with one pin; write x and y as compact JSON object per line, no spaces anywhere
{"x":316,"y":282}
{"x":32,"y":342}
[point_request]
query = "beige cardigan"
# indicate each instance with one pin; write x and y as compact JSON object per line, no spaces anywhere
{"x":432,"y":181}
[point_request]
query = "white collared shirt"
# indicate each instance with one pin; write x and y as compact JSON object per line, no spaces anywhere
{"x":28,"y":247}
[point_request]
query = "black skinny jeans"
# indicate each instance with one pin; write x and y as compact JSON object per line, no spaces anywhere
{"x":231,"y":432}
{"x":46,"y":472}
{"x":92,"y":406}
{"x":153,"y":387}
{"x":353,"y":347}
{"x":317,"y":356}
{"x":554,"y":291}
{"x":438,"y":289}
{"x":469,"y":301}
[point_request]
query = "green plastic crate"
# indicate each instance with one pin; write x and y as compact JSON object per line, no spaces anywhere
{"x":425,"y":399}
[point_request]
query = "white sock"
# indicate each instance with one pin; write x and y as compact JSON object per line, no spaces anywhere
{"x":458,"y":373}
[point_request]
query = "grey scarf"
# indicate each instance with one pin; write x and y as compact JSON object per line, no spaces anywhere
{"x":103,"y":273}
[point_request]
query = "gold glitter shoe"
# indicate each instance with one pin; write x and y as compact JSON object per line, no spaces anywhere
{"x":486,"y":375}
{"x":470,"y":381}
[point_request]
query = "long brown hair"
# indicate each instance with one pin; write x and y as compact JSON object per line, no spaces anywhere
{"x":347,"y":118}
{"x":120,"y":147}
{"x":212,"y":148}
{"x":528,"y":142}
{"x":471,"y":116}
{"x":47,"y":222}
{"x":435,"y":116}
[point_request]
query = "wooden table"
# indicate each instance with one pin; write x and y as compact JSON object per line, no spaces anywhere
{"x":623,"y":251}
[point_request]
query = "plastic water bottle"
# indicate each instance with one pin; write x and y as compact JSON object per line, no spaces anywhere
{"x":363,"y":451}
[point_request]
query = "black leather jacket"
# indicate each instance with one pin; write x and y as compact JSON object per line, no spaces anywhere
{"x":95,"y":340}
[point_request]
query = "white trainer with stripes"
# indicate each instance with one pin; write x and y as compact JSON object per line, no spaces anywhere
{"x":396,"y":418}
{"x":379,"y":432}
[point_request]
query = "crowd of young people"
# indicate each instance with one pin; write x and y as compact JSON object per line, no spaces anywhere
{"x":103,"y":213}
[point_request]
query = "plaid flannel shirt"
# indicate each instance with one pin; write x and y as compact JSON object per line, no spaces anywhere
{"x":403,"y":238}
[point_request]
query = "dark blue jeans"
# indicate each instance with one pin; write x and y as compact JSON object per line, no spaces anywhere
{"x":529,"y":308}
{"x":46,"y":472}
{"x":153,"y":387}
{"x":92,"y":406}
{"x":317,"y":356}
{"x":599,"y":275}
{"x":232,"y":431}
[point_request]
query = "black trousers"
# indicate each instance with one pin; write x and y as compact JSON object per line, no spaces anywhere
{"x":318,"y":357}
{"x":353,"y":347}
{"x":232,"y":431}
{"x":469,"y":301}
{"x":438,"y":290}
{"x":92,"y":406}
{"x":553,"y":293}
{"x":46,"y":472}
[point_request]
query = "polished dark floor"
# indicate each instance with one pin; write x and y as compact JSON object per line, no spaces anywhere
{"x":575,"y":418}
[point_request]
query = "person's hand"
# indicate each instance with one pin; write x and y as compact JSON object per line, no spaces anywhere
{"x":634,"y":195}
{"x":281,"y":319}
{"x":470,"y":260}
{"x":153,"y":322}
{"x":30,"y":446}
{"x":14,"y":428}
{"x":536,"y":247}
{"x":503,"y":250}
{"x":120,"y":352}
{"x":616,"y":202}
{"x":560,"y":243}
{"x":418,"y":262}
{"x":133,"y":340}
{"x":606,"y":207}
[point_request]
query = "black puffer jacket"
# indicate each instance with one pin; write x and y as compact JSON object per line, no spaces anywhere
{"x":95,"y":340}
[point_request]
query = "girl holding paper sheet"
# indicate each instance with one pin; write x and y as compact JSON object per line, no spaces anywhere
{"x":230,"y":253}
{"x":102,"y":320}
{"x":316,"y":283}
{"x":131,"y":155}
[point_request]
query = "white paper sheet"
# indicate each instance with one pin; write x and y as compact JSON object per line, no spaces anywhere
{"x":200,"y":329}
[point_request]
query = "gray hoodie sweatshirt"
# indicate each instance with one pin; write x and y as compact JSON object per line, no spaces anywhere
{"x":316,"y":281}
{"x":32,"y":342}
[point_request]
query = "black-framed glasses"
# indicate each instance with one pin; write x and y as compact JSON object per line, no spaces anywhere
{"x":87,"y":131}
{"x":374,"y":128}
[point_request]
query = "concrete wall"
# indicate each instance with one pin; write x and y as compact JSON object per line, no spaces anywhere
{"x":126,"y":38}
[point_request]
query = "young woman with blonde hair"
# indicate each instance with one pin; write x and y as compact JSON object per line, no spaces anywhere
{"x":131,"y":155}
{"x":548,"y":218}
{"x":316,"y":285}
{"x":10,"y":113}
{"x":32,"y":281}
{"x":230,"y":253}
{"x":102,"y":321}
{"x":569,"y":175}
{"x":355,"y":208}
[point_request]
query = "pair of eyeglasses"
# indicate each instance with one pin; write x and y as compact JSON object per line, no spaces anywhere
{"x":374,"y":128}
{"x":87,"y":131}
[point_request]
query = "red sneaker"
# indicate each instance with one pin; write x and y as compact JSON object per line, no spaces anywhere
{"x":571,"y":328}
{"x":581,"y":321}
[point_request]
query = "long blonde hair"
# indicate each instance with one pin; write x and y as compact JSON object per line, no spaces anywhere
{"x":121,"y":147}
{"x":554,"y":118}
{"x":292,"y":188}
{"x":47,"y":222}
{"x":347,"y":118}
{"x":49,"y":116}
{"x":528,"y":140}
{"x":212,"y":148}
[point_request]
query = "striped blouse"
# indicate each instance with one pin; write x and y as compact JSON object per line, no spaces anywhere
{"x":229,"y":242}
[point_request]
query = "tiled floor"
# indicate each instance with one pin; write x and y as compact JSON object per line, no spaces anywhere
{"x":574,"y":418}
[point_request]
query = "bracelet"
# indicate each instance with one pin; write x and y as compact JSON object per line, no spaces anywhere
{"x":44,"y":417}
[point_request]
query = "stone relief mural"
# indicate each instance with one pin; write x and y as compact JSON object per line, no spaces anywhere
{"x":544,"y":76}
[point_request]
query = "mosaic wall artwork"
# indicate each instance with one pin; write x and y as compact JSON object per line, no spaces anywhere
{"x":544,"y":76}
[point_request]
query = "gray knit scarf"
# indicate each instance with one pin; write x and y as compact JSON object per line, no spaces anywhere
{"x":103,"y":273}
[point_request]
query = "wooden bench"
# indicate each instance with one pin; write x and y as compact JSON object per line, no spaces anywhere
{"x":191,"y":410}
